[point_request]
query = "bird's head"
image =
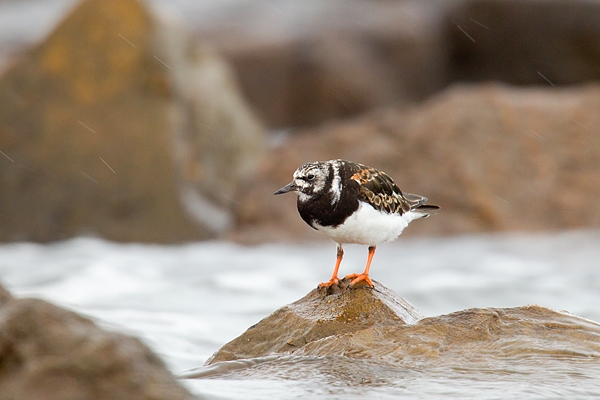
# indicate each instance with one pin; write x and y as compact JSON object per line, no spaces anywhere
{"x":309,"y":180}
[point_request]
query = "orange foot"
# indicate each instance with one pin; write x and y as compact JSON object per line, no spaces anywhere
{"x":359,"y":277}
{"x":328,"y":284}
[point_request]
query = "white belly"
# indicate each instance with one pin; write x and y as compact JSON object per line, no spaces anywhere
{"x":369,"y":226}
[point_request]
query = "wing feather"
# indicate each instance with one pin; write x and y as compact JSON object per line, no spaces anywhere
{"x":381,"y":192}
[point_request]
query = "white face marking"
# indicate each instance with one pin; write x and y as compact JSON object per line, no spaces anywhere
{"x":310,"y":179}
{"x":336,"y":185}
{"x":303,"y":197}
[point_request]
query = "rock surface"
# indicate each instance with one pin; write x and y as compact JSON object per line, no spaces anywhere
{"x":359,"y":323}
{"x":118,"y":125}
{"x":47,"y":352}
{"x":320,"y":314}
{"x":493,"y":157}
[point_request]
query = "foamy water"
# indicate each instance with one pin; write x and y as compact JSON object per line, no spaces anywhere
{"x":186,"y":301}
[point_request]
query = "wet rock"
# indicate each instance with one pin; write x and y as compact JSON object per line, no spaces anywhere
{"x":47,"y":352}
{"x":119,"y":125}
{"x":493,"y":157}
{"x":469,"y":334}
{"x":320,"y":314}
{"x":359,"y":323}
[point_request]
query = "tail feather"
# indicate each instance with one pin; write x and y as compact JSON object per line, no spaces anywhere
{"x":417,"y":204}
{"x":426,"y":207}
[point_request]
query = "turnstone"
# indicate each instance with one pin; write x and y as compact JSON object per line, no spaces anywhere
{"x":353,"y":203}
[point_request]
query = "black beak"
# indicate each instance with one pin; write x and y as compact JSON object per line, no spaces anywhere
{"x":287,"y":188}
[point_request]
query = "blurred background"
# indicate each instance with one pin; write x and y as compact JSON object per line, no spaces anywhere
{"x":175,"y":121}
{"x":170,"y":123}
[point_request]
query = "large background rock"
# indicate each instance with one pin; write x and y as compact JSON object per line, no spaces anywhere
{"x":493,"y":157}
{"x":119,"y":125}
{"x":49,"y":353}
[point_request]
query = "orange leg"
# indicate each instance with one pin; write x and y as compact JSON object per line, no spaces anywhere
{"x":365,"y":275}
{"x":334,"y":278}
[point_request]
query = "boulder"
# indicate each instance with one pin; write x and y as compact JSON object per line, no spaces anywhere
{"x":119,"y":125}
{"x":47,"y":352}
{"x":494,"y":157}
{"x":322,"y":313}
{"x":360,"y":330}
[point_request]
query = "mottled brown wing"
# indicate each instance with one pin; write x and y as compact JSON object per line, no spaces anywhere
{"x":380,"y":191}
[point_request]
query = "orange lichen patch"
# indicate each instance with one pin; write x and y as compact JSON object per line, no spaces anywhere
{"x":97,"y":51}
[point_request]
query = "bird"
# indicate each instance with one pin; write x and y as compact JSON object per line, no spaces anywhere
{"x":352,"y":203}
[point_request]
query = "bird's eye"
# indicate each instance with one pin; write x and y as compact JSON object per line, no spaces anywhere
{"x":310,"y":177}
